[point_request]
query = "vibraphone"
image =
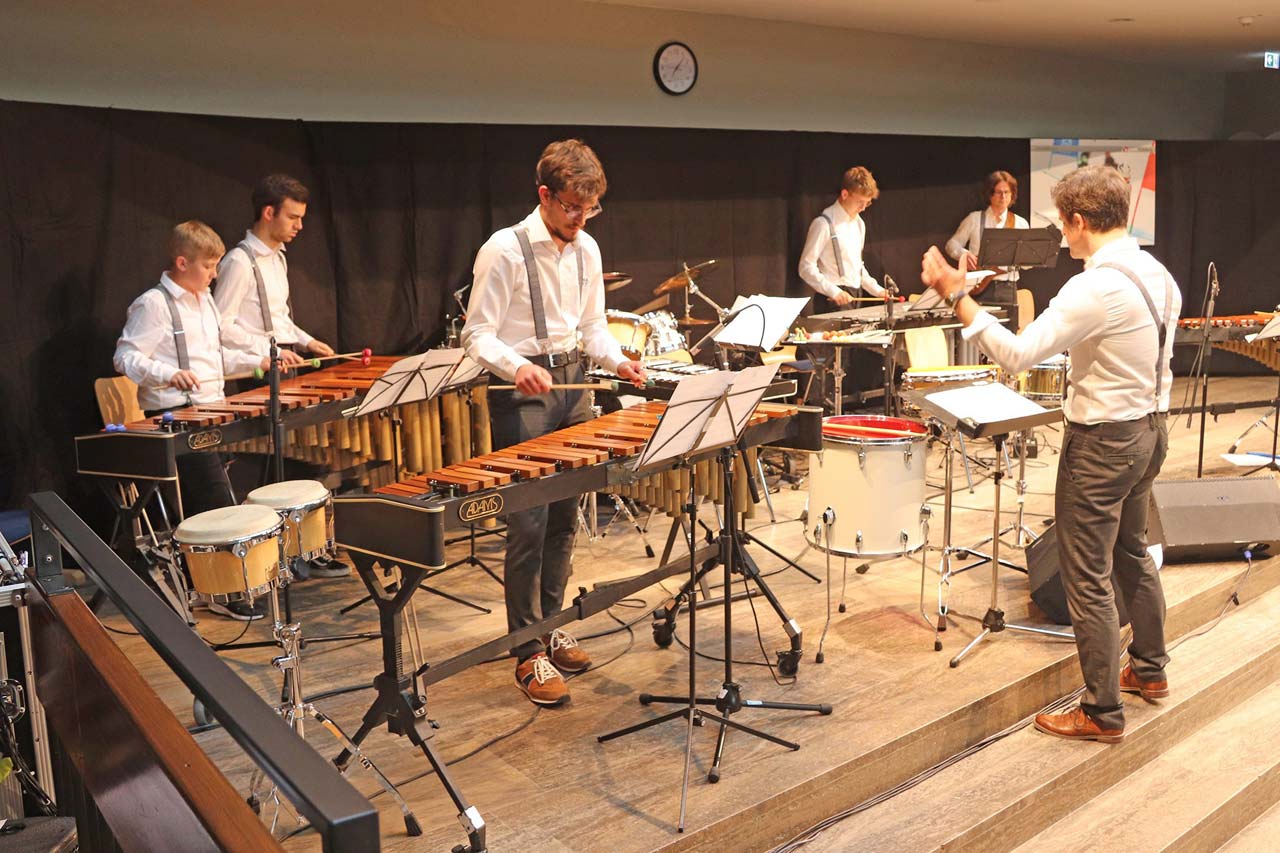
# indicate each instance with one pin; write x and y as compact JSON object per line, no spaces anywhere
{"x":665,"y":374}
{"x":445,"y":430}
{"x":1229,"y":333}
{"x":386,"y":525}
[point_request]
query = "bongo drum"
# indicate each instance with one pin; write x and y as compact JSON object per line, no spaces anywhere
{"x":305,"y":508}
{"x":232,"y":553}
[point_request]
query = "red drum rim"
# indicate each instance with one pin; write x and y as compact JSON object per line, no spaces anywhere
{"x":848,"y":427}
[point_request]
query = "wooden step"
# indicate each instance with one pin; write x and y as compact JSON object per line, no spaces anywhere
{"x":1003,"y":795}
{"x":1194,"y":796}
{"x":1261,"y":834}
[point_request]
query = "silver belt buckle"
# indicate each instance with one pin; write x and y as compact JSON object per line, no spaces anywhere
{"x":557,"y":359}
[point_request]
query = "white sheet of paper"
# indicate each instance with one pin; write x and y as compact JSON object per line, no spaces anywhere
{"x":1247,"y":460}
{"x":985,"y":403}
{"x":678,"y":431}
{"x":971,"y":279}
{"x":417,"y":377}
{"x":762,"y":327}
{"x":1271,"y":330}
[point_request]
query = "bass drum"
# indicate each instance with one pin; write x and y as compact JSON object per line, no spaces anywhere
{"x":666,"y":336}
{"x":870,"y":474}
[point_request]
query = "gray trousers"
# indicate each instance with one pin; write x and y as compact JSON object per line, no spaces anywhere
{"x":537,"y":566}
{"x":1103,"y":492}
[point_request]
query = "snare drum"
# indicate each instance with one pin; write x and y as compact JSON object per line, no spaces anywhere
{"x":874,"y":483}
{"x":305,"y":506}
{"x":1046,"y":383}
{"x":233,"y":552}
{"x":930,"y":379}
{"x":631,"y":331}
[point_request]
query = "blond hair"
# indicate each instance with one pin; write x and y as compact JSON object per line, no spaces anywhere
{"x":860,"y":181}
{"x":195,"y":241}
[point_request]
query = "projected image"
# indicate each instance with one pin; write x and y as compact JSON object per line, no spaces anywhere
{"x":1135,"y":158}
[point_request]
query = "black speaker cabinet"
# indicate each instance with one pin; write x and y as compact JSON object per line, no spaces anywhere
{"x":1046,"y":582}
{"x":1213,"y":518}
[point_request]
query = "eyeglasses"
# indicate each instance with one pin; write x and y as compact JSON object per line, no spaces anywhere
{"x":577,"y":211}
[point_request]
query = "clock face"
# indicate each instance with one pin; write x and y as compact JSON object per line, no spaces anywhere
{"x":675,"y":68}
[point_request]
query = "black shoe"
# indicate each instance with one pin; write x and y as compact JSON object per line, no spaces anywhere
{"x":327,"y":567}
{"x":241,"y":611}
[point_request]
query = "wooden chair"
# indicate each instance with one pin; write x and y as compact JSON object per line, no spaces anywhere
{"x":117,"y":400}
{"x":1026,"y":308}
{"x":927,"y":347}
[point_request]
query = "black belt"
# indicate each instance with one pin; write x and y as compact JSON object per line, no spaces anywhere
{"x":554,"y":359}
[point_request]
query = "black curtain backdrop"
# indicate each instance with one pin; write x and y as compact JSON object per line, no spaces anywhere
{"x":88,"y":196}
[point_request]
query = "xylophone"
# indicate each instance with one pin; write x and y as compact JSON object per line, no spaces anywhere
{"x":664,"y":374}
{"x":387,"y":524}
{"x":448,"y":429}
{"x":1228,"y":334}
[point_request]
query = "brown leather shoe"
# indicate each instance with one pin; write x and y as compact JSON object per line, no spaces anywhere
{"x":541,"y":681}
{"x":565,"y":652}
{"x":1130,"y":683}
{"x":1077,"y":725}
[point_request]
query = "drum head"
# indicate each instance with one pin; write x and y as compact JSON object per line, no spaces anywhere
{"x":227,"y":525}
{"x":289,"y":494}
{"x":854,"y":428}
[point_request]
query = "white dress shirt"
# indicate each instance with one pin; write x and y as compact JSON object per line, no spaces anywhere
{"x":499,"y":332}
{"x":818,"y":265}
{"x":236,"y":293}
{"x":146,"y":352}
{"x":969,"y":235}
{"x":1102,"y":319}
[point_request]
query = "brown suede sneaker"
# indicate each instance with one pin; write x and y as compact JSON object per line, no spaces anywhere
{"x":1077,"y":725}
{"x":565,"y":652}
{"x":541,"y":682}
{"x":1130,"y":683}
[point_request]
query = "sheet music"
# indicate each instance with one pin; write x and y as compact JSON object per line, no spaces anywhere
{"x":411,"y":379}
{"x":985,"y":403}
{"x":680,"y":428}
{"x":764,"y":327}
{"x":1271,"y":330}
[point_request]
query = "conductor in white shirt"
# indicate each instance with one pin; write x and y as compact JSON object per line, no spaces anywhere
{"x":1116,"y":320}
{"x":538,"y":287}
{"x":253,"y":278}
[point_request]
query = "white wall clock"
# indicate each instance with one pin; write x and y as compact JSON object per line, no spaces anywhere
{"x":675,"y":68}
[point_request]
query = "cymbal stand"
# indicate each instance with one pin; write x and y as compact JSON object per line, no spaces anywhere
{"x":295,"y":710}
{"x":993,"y":621}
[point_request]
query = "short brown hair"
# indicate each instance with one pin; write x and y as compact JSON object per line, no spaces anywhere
{"x":195,"y":241}
{"x":571,"y":165}
{"x":272,"y":190}
{"x":1100,"y":194}
{"x":859,"y":180}
{"x":993,"y":180}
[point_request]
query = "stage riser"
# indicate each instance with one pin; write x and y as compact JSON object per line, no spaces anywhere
{"x":1004,"y":815}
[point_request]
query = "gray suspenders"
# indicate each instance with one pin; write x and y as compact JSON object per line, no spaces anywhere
{"x":1162,"y":324}
{"x":535,"y":286}
{"x":835,"y":245}
{"x":179,"y":333}
{"x":262,"y":287}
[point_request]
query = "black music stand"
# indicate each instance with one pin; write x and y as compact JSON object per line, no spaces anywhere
{"x":417,"y":379}
{"x":705,"y":413}
{"x":1020,"y":247}
{"x":985,"y":411}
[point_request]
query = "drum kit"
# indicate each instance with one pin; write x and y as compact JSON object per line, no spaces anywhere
{"x":247,"y":552}
{"x":656,"y":331}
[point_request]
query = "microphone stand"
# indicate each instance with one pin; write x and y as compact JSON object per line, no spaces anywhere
{"x":891,"y":352}
{"x":1206,"y":350}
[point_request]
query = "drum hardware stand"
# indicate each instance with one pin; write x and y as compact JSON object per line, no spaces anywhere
{"x":588,"y":508}
{"x":400,"y":700}
{"x":1269,"y":331}
{"x":729,"y":699}
{"x":1025,"y":535}
{"x":993,"y":621}
{"x":295,"y":709}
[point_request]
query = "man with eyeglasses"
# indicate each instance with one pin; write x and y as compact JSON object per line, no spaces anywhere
{"x":538,"y":287}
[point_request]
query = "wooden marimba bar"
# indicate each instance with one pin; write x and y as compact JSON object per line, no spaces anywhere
{"x":1228,"y":334}
{"x":615,"y":436}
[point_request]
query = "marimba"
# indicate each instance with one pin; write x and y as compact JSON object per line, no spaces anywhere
{"x":386,"y":524}
{"x":314,"y":408}
{"x":1228,"y":334}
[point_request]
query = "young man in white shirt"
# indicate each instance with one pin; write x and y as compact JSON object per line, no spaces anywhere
{"x":1116,"y":319}
{"x":177,"y":348}
{"x":538,"y":286}
{"x":253,"y":278}
{"x":831,"y":262}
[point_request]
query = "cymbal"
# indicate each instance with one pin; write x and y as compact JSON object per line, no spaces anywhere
{"x":615,"y":281}
{"x":694,"y":321}
{"x":681,"y":279}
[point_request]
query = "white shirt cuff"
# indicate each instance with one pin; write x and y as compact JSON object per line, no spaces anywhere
{"x":980,"y":323}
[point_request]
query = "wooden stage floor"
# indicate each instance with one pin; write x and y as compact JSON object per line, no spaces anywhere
{"x":543,"y":783}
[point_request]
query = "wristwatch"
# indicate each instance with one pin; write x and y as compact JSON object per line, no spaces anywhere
{"x":954,"y":296}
